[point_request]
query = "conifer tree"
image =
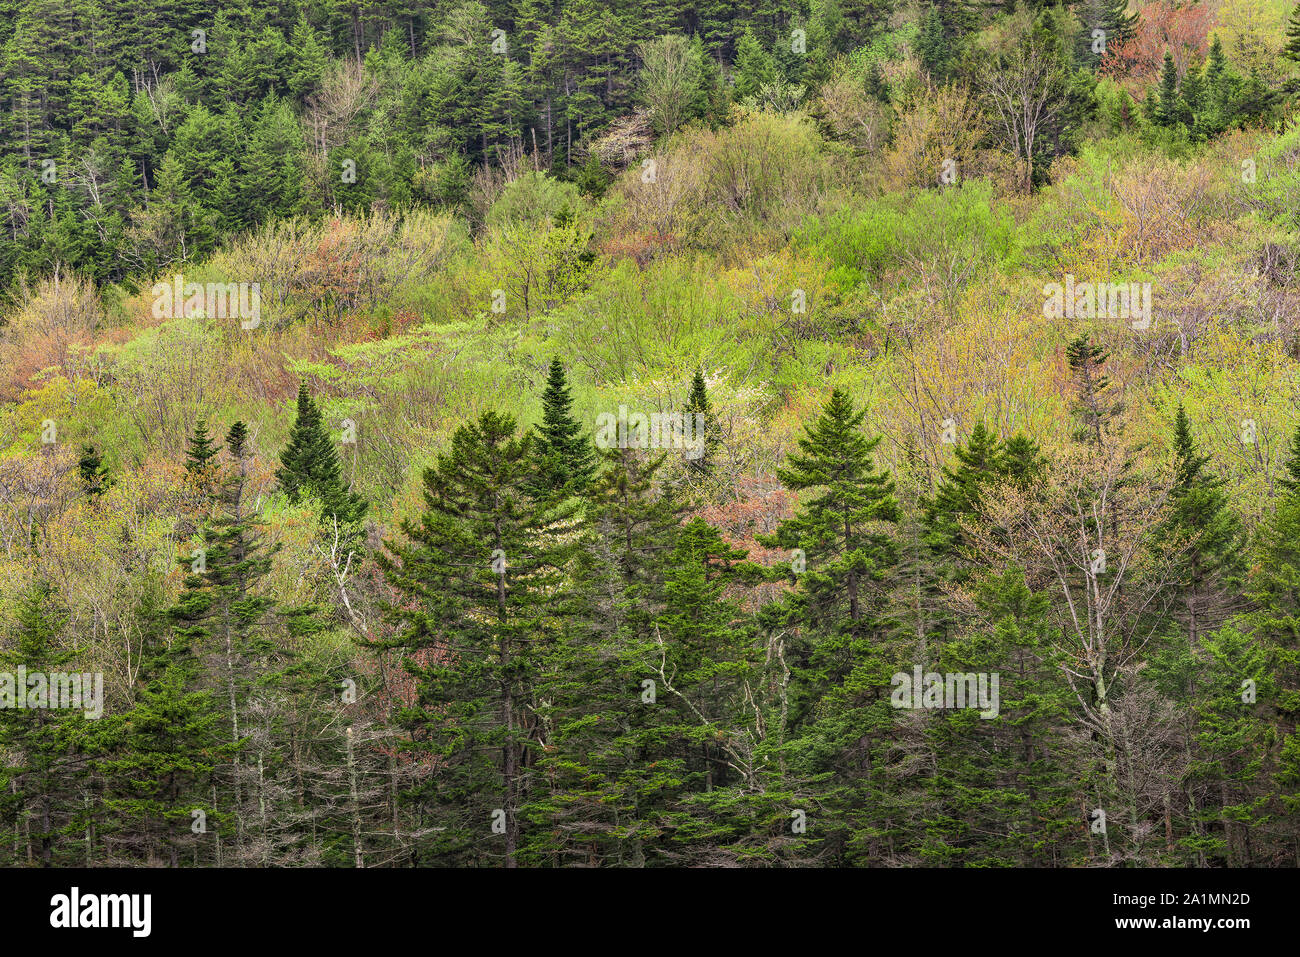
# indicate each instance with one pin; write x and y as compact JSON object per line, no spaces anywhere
{"x":1291,"y":49}
{"x":1205,"y":532}
{"x":838,"y":539}
{"x":481,"y":572}
{"x":309,"y":466}
{"x":161,"y":760}
{"x":1170,"y":107}
{"x":1093,"y":406}
{"x":201,"y":450}
{"x":94,"y":474}
{"x":754,"y":67}
{"x":41,"y":769}
{"x":565,"y":456}
{"x":703,"y":426}
{"x":605,"y":731}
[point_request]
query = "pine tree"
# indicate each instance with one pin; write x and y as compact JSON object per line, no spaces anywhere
{"x":565,"y":456}
{"x":236,"y":440}
{"x":161,"y":760}
{"x":1001,"y":793}
{"x":225,"y":625}
{"x":1118,"y":23}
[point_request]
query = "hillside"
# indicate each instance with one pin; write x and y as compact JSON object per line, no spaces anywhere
{"x":651,"y":435}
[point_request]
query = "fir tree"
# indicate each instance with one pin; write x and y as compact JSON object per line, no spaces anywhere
{"x":94,"y":474}
{"x":1291,"y":49}
{"x":704,"y":427}
{"x":566,"y":460}
{"x":838,"y":540}
{"x":481,"y":573}
{"x":1205,"y":533}
{"x":1169,"y":109}
{"x":1093,"y":406}
{"x":201,"y":450}
{"x":309,"y":466}
{"x":41,"y":770}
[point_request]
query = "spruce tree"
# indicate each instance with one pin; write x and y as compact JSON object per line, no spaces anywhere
{"x":566,"y":459}
{"x":201,"y":450}
{"x":703,"y":426}
{"x":601,"y":806}
{"x":481,"y":576}
{"x":1290,"y":481}
{"x":161,"y":760}
{"x":309,"y":466}
{"x":1169,"y":104}
{"x":1205,"y":534}
{"x":1093,"y":406}
{"x":837,"y":538}
{"x":41,"y":769}
{"x":1291,"y":49}
{"x":94,"y":474}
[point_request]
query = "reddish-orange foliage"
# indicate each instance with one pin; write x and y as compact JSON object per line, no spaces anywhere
{"x":641,"y":247}
{"x":760,"y":505}
{"x":1182,"y":30}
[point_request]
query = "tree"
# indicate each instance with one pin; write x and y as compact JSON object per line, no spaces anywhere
{"x":309,"y":467}
{"x":669,"y":81}
{"x":1093,"y":407}
{"x":1169,"y":109}
{"x":42,"y":770}
{"x":481,"y":575}
{"x":94,"y":474}
{"x":1204,"y":532}
{"x":201,"y":450}
{"x":600,"y":803}
{"x":839,"y":541}
{"x":754,"y":67}
{"x":224,"y":624}
{"x":1026,"y":90}
{"x":566,"y":460}
{"x":703,"y":425}
{"x":1291,"y":50}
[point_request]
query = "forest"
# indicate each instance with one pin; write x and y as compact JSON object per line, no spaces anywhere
{"x":551,"y":433}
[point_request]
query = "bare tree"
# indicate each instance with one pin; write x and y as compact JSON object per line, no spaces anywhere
{"x":1025,"y":90}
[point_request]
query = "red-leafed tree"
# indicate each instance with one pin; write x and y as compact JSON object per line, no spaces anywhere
{"x":1163,"y":25}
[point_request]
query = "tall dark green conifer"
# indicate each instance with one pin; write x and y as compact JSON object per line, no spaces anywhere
{"x":566,"y":458}
{"x":41,"y":771}
{"x":1093,"y":406}
{"x":309,"y":466}
{"x":704,"y":426}
{"x":482,"y":574}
